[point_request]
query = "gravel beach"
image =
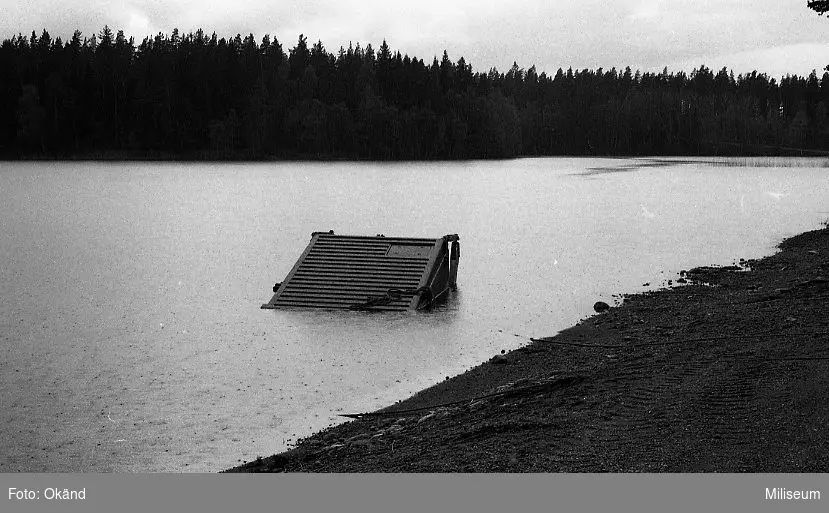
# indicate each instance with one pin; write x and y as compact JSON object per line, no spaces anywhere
{"x":726,"y":372}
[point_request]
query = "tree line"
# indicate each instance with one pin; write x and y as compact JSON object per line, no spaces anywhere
{"x":199,"y":96}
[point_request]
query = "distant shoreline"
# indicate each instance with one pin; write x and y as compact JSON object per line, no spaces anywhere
{"x":127,"y":156}
{"x":723,"y":374}
{"x":194,"y":96}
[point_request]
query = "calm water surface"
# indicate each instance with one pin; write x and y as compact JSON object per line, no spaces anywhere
{"x":131,"y":337}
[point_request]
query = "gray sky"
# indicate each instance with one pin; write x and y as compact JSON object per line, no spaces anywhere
{"x":771,"y":36}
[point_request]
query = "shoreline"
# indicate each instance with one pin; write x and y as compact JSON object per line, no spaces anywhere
{"x":208,"y":156}
{"x":725,"y":373}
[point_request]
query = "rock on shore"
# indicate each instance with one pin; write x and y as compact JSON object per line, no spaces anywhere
{"x":727,"y":373}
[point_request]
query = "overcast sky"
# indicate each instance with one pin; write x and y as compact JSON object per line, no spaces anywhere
{"x":771,"y":36}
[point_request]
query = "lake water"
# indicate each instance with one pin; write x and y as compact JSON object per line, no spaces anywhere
{"x":131,"y":338}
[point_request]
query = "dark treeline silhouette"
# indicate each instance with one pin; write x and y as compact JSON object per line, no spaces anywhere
{"x":200,"y":96}
{"x":819,"y":6}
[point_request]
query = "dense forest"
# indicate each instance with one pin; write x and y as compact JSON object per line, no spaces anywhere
{"x":201,"y":96}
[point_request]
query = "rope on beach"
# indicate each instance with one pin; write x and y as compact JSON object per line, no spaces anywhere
{"x":770,"y":299}
{"x":801,"y":358}
{"x":615,"y":346}
{"x":761,"y":335}
{"x":761,"y":300}
{"x":542,"y":386}
{"x":511,"y":391}
{"x":410,"y":410}
{"x":576,"y":344}
{"x":672,"y":342}
{"x":422,"y":408}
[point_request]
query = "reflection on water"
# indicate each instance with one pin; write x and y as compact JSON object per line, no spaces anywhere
{"x":628,"y":165}
{"x":132,"y":338}
{"x":774,"y":162}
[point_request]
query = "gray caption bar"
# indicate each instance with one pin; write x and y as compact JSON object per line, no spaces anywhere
{"x":204,"y":493}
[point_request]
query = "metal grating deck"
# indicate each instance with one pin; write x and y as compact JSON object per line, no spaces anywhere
{"x":342,"y":271}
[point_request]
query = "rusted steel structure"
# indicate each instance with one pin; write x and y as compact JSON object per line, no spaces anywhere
{"x":370,"y":273}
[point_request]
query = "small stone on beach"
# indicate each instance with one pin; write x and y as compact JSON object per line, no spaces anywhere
{"x":600,"y":306}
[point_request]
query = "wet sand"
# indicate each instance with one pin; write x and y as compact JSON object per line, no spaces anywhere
{"x":728,"y":372}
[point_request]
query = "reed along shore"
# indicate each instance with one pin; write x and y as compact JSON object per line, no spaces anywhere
{"x":727,"y":372}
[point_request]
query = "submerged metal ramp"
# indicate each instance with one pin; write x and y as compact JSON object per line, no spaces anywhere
{"x":369,"y":273}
